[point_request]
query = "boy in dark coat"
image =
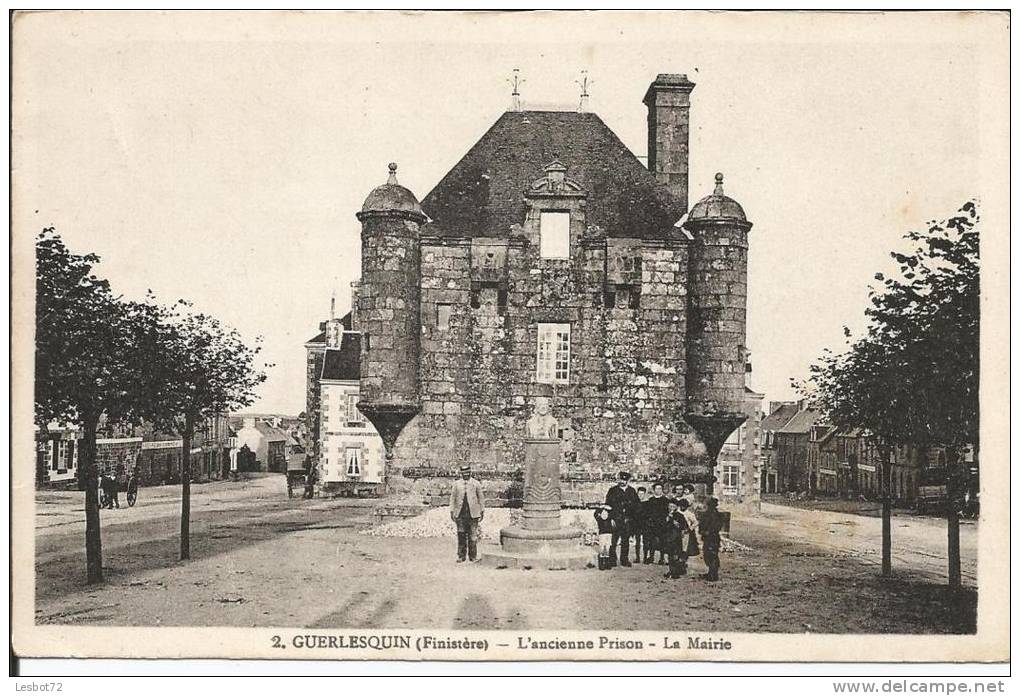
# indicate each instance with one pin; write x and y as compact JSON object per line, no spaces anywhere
{"x":654,"y":511}
{"x":673,"y":541}
{"x":711,"y":529}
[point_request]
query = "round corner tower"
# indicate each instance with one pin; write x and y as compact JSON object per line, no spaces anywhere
{"x":389,"y":308}
{"x":717,"y":317}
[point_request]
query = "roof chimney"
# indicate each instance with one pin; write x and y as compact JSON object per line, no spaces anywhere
{"x":669,"y":104}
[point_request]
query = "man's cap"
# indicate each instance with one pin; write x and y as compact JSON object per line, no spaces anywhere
{"x":465,"y":467}
{"x":712,"y":502}
{"x":605,"y":507}
{"x":625,"y":475}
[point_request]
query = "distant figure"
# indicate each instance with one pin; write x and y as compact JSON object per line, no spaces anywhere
{"x":605,"y":526}
{"x":638,"y":529}
{"x":542,"y":425}
{"x":309,"y":478}
{"x":688,"y":495}
{"x":711,"y":529}
{"x":106,"y":490}
{"x":119,"y":482}
{"x":673,"y":540}
{"x":689,"y":548}
{"x":654,"y":512}
{"x":624,"y":503}
{"x":467,"y":509}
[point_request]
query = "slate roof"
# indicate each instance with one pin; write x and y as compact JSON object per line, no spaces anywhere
{"x":802,"y":422}
{"x":780,"y":417}
{"x":320,"y":337}
{"x":270,"y":433}
{"x":483,"y":195}
{"x":343,"y":362}
{"x":827,"y":433}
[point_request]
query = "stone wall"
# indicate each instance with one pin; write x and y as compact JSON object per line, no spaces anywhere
{"x":387,"y":307}
{"x":313,"y":416}
{"x":481,"y":302}
{"x":112,"y":452}
{"x":718,"y":302}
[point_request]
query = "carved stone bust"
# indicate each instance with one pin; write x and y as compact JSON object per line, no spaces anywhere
{"x":542,"y":425}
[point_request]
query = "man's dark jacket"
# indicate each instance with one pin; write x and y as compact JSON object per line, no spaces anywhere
{"x":625,"y":504}
{"x":711,"y":525}
{"x":654,"y":511}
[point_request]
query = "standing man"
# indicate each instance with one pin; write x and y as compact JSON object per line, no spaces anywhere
{"x":711,"y":528}
{"x":119,"y":482}
{"x":624,"y":503}
{"x":467,"y":509}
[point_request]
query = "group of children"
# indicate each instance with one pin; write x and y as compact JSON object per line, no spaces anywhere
{"x":661,"y":524}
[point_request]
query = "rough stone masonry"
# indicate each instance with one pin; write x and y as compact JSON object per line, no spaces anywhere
{"x":635,"y":330}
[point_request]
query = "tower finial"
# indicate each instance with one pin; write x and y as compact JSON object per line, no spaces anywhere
{"x":584,"y":83}
{"x":393,"y":173}
{"x":718,"y":184}
{"x":332,"y":305}
{"x":515,"y":94}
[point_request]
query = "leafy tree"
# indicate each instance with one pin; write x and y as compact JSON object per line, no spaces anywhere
{"x":199,"y":370}
{"x":912,"y":379}
{"x":86,"y":363}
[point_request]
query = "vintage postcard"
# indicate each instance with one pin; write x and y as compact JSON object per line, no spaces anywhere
{"x":511,"y":336}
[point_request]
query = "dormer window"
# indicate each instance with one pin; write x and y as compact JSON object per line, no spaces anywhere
{"x":555,"y":234}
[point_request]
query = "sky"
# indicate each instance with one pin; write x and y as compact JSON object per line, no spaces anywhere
{"x":221,"y":157}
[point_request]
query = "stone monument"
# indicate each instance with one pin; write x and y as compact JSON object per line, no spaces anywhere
{"x":540,"y":541}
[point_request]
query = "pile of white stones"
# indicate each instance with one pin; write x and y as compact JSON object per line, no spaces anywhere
{"x":437,"y":523}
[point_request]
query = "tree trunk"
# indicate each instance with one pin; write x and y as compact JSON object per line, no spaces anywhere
{"x":90,"y":477}
{"x":186,"y":437}
{"x":886,"y":513}
{"x":953,"y":516}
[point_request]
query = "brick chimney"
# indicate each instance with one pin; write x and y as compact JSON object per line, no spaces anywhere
{"x":669,"y":105}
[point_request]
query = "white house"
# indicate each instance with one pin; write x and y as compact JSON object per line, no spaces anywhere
{"x":351,"y":452}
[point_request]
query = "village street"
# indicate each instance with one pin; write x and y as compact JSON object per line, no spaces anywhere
{"x":261,"y":559}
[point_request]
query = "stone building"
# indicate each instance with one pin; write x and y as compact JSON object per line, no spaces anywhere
{"x":739,"y":468}
{"x":791,"y":443}
{"x":315,"y":351}
{"x":551,"y":262}
{"x":351,"y":457}
{"x":773,"y":476}
{"x":267,"y":442}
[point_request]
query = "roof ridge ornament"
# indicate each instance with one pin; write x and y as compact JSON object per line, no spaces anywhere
{"x":392,"y":180}
{"x":515,"y":95}
{"x":584,"y":84}
{"x":718,"y":185}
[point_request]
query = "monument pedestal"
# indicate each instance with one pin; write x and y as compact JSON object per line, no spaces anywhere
{"x":540,"y":541}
